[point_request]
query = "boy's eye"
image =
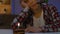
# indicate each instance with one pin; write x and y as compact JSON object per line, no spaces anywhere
{"x":25,"y":1}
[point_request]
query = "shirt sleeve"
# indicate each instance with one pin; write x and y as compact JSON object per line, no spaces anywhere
{"x":14,"y":21}
{"x":55,"y":19}
{"x":54,"y":23}
{"x":19,"y":19}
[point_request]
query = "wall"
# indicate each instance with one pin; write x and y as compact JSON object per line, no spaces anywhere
{"x":17,"y":8}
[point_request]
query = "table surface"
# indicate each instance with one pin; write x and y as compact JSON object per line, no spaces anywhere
{"x":10,"y":31}
{"x":6,"y":31}
{"x":45,"y":33}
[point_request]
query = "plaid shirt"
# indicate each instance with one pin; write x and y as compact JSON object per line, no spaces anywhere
{"x":50,"y":15}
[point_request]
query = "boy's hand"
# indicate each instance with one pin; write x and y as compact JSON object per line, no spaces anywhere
{"x":33,"y":29}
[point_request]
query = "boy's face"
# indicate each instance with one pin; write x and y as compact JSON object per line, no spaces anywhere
{"x":29,"y":3}
{"x":32,"y":2}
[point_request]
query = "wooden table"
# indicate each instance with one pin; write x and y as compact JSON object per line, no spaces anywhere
{"x":18,"y":31}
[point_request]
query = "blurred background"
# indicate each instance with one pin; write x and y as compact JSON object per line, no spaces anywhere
{"x":6,"y":17}
{"x":16,"y":7}
{"x":5,"y":6}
